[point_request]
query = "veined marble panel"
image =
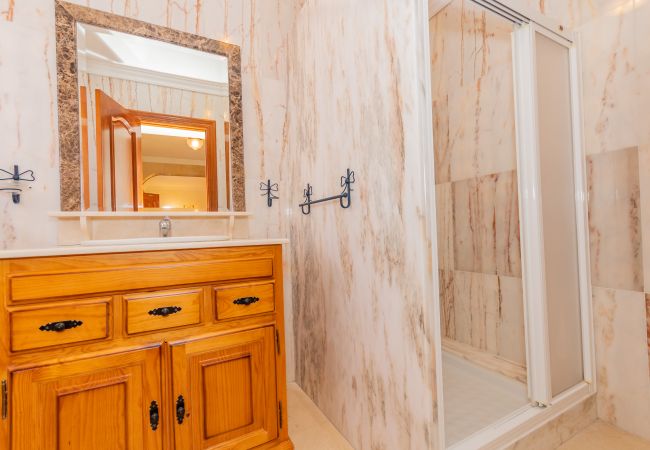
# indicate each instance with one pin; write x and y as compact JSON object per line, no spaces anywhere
{"x":484,"y":311}
{"x":644,"y":212}
{"x":615,"y":220}
{"x":362,"y":316}
{"x":623,"y":381}
{"x":641,"y":24}
{"x":647,"y":316}
{"x":473,"y":92}
{"x":610,"y":80}
{"x":486,"y":225}
{"x":559,"y":430}
{"x":445,"y":222}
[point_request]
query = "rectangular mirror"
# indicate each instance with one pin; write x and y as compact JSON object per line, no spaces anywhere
{"x":149,"y":117}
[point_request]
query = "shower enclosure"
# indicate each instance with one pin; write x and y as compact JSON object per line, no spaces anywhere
{"x":511,"y":221}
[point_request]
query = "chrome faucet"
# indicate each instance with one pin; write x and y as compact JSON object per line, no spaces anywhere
{"x":165,"y":226}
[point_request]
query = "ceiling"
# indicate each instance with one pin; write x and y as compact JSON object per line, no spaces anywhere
{"x":170,"y":149}
{"x":129,"y":51}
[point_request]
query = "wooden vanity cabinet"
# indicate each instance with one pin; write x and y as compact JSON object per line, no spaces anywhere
{"x":184,"y":356}
{"x":102,"y":404}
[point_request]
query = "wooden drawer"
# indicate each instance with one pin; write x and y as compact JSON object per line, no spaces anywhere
{"x":244,"y":300}
{"x":59,"y":324}
{"x":159,"y":310}
{"x":119,"y":279}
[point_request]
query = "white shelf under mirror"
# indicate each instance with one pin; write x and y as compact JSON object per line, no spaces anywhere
{"x":129,"y":227}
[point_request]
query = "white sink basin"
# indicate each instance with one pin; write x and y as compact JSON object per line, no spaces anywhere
{"x":155,"y":240}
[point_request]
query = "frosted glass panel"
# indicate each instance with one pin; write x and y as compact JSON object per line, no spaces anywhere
{"x":559,"y":214}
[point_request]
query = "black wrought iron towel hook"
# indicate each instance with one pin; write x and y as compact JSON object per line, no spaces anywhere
{"x":344,"y":198}
{"x":268,"y":190}
{"x":16,"y":176}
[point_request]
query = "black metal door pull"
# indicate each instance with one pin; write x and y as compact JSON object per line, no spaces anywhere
{"x":165,"y":311}
{"x":180,"y":409}
{"x":61,"y":326}
{"x":154,"y":415}
{"x":246,"y":301}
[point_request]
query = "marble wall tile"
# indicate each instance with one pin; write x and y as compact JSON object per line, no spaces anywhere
{"x":486,"y":225}
{"x":641,"y":23}
{"x":445,"y":222}
{"x":447,"y":303}
{"x":484,"y":311}
{"x":647,"y":316}
{"x":510,"y":327}
{"x":623,"y":381}
{"x":644,"y":211}
{"x":610,"y":80}
{"x":559,"y":430}
{"x":473,"y":94}
{"x":614,"y":220}
{"x":362,"y":323}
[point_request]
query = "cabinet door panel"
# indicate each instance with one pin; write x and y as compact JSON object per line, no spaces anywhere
{"x":101,"y":404}
{"x":228,"y":383}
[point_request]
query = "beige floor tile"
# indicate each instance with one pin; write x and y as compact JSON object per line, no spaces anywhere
{"x":602,"y":436}
{"x":309,"y":429}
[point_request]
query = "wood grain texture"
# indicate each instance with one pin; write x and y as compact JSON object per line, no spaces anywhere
{"x":225,"y":298}
{"x":25,"y":324}
{"x":100,"y":404}
{"x":138,"y":306}
{"x":229,"y":390}
{"x":239,"y":363}
{"x":33,"y":287}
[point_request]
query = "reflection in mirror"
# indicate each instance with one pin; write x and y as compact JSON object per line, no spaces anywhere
{"x":154,"y":124}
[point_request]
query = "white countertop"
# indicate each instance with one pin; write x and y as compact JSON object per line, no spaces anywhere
{"x":95,"y":249}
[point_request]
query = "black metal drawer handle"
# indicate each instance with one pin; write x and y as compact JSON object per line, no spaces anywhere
{"x":61,"y":326}
{"x":165,"y":311}
{"x":246,"y":301}
{"x":180,"y":409}
{"x":154,"y":415}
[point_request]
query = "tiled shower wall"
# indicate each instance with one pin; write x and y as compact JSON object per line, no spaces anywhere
{"x":616,"y":77}
{"x":476,"y":181}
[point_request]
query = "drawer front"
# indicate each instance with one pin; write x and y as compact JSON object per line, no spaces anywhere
{"x":48,"y":286}
{"x":244,"y":300}
{"x":60,"y":324}
{"x":162,"y":309}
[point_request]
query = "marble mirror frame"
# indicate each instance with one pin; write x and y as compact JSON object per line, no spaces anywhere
{"x":67,"y":16}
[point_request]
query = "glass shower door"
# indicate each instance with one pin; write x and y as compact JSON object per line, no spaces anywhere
{"x":553,"y":211}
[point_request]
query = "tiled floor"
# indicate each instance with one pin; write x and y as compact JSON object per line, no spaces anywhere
{"x":602,"y":436}
{"x":476,"y":397}
{"x":309,"y":429}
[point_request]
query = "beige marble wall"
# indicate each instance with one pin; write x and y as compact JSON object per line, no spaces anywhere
{"x":363,"y":333}
{"x":554,"y":433}
{"x":615,"y":63}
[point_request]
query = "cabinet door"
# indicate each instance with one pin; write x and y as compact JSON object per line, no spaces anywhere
{"x":228,"y":388}
{"x":100,"y":403}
